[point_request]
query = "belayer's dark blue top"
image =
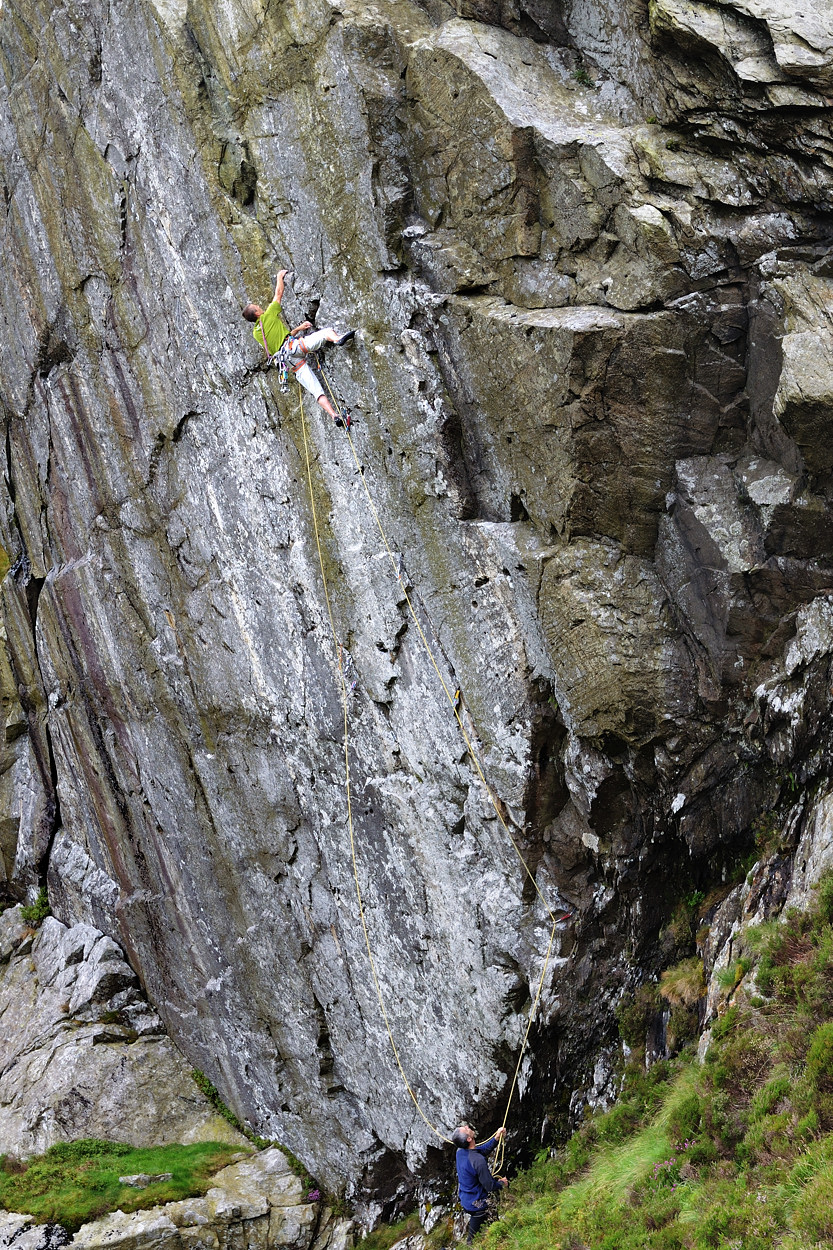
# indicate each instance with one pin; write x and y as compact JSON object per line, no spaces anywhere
{"x":476,"y":1181}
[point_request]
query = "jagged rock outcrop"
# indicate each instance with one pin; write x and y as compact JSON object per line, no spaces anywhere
{"x":81,"y":1053}
{"x":588,"y":250}
{"x":258,"y":1202}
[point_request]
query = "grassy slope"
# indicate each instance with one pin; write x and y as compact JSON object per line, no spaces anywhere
{"x":736,"y":1153}
{"x":733,"y":1154}
{"x":77,"y":1181}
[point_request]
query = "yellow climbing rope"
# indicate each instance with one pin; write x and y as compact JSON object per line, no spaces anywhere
{"x":498,"y":1156}
{"x":450,"y":694}
{"x":344,"y":702}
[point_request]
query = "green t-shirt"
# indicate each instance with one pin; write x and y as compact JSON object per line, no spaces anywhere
{"x":274,"y":325}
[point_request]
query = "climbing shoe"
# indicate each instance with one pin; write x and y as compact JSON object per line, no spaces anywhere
{"x":345,"y":338}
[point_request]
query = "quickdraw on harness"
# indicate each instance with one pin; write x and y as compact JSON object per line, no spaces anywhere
{"x":289,"y":358}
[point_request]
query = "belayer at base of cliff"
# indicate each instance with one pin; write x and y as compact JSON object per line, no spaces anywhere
{"x":289,"y":348}
{"x":476,"y":1183}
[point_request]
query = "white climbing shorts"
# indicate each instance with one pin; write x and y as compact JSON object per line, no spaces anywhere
{"x":309,"y":381}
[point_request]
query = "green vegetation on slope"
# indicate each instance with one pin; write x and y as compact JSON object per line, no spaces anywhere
{"x":39,"y":910}
{"x":736,"y":1153}
{"x":78,"y":1181}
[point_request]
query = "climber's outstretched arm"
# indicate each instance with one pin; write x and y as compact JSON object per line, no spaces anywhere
{"x":279,"y":285}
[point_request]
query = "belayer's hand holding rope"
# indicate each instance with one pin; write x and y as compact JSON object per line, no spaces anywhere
{"x":288,"y":349}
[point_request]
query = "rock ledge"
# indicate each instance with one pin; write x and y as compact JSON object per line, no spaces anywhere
{"x":257,"y":1203}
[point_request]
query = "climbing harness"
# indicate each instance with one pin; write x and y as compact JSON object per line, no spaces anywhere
{"x":292,"y":356}
{"x":454,"y":698}
{"x":289,"y":358}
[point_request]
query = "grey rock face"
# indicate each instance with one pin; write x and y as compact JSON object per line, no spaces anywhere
{"x":589,"y":262}
{"x":81,"y":1053}
{"x":20,"y":1232}
{"x":141,"y":1180}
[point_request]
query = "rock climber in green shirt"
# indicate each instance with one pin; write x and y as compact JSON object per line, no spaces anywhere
{"x":272,"y":333}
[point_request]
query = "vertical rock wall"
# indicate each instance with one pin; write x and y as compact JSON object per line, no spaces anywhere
{"x":587,"y":254}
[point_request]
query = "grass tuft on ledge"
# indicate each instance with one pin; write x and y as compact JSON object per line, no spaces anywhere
{"x":35,"y":914}
{"x":74,"y":1182}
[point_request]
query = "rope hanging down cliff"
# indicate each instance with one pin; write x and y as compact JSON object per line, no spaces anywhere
{"x":454,"y":702}
{"x":452,"y":695}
